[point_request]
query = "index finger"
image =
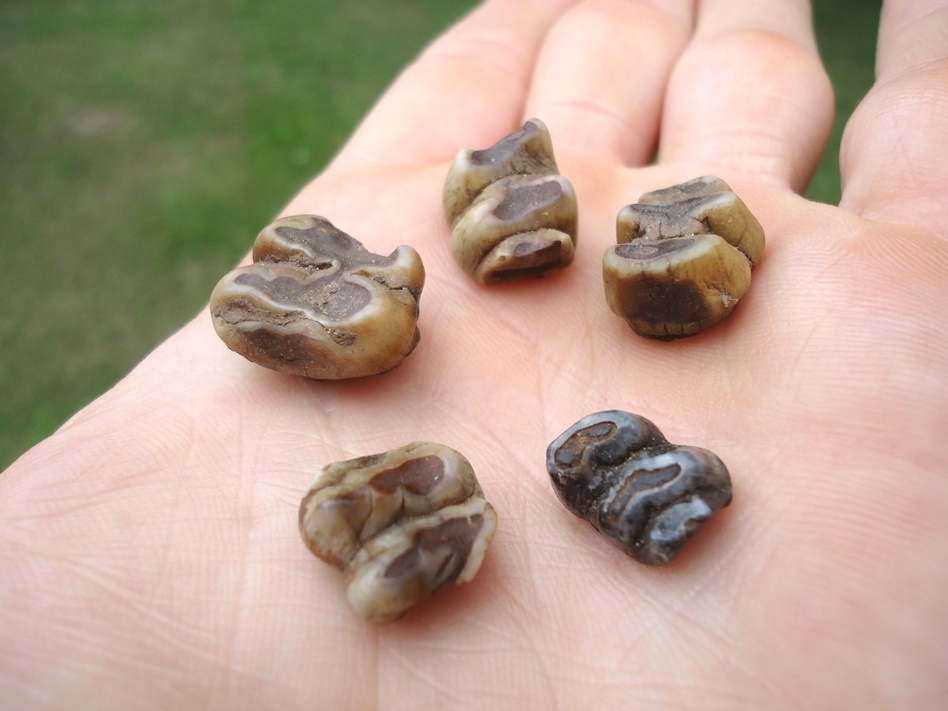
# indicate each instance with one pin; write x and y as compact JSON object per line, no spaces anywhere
{"x":894,"y":157}
{"x":467,"y":88}
{"x":749,"y":96}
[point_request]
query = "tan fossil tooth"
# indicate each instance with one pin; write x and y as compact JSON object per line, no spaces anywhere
{"x":400,"y":525}
{"x":316,"y":303}
{"x":512,"y":214}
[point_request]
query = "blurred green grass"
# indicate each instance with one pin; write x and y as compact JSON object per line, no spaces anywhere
{"x":846,"y":32}
{"x":142,"y":145}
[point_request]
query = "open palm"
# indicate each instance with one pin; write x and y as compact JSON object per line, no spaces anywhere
{"x":149,"y":550}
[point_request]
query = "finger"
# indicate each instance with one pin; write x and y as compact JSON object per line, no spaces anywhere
{"x":607,"y":98}
{"x":894,"y":156}
{"x":466,"y":89}
{"x":750,"y":95}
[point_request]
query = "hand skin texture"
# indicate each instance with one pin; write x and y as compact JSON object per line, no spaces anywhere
{"x":149,"y":549}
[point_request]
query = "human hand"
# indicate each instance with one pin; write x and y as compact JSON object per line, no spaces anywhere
{"x":150,"y":551}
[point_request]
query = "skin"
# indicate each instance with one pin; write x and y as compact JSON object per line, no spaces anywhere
{"x":149,"y":551}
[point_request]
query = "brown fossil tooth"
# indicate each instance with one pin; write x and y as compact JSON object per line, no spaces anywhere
{"x":683,"y":259}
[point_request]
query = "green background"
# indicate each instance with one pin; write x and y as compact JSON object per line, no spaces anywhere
{"x":143,"y":145}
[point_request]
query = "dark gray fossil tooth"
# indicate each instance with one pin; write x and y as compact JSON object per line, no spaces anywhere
{"x":618,"y":472}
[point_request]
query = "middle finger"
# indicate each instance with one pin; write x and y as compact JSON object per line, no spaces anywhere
{"x":607,"y":98}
